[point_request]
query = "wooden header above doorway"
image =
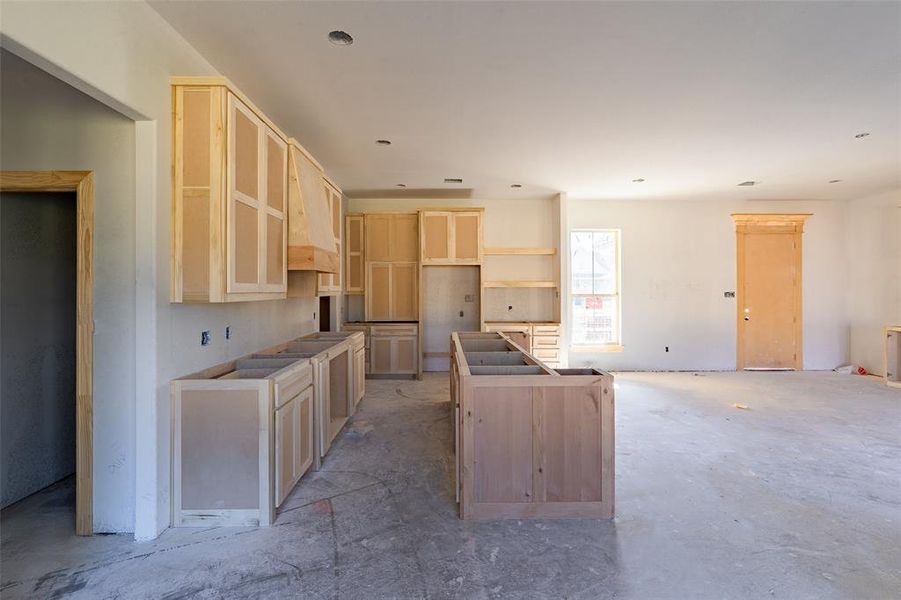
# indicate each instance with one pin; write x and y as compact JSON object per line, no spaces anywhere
{"x":770,"y":222}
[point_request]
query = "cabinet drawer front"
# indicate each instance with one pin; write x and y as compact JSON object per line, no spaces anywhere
{"x":393,"y":330}
{"x":292,"y":383}
{"x":505,"y":327}
{"x":547,"y":353}
{"x":546,"y":330}
{"x":546,"y":341}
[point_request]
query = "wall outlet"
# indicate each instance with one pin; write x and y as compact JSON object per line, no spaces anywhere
{"x":228,"y":332}
{"x":509,"y":308}
{"x":728,"y":294}
{"x":666,"y":348}
{"x":205,"y":338}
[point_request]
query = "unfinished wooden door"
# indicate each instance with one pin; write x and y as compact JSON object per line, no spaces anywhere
{"x":275,"y":226}
{"x":404,"y":292}
{"x":245,"y":197}
{"x":467,"y":238}
{"x":436,"y":237}
{"x":404,"y":355}
{"x":405,"y":238}
{"x":378,"y":237}
{"x":354,"y":267}
{"x":378,"y":291}
{"x":380,"y":355}
{"x":769,"y":291}
{"x":286,"y":430}
{"x":304,"y":436}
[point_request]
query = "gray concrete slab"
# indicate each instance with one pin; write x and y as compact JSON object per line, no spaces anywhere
{"x":797,"y":496}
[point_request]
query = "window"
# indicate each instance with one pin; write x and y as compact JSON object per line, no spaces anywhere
{"x":595,"y":288}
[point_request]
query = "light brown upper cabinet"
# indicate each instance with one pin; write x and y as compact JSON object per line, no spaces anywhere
{"x":392,"y":291}
{"x":451,"y":237}
{"x":331,"y":283}
{"x":229,"y":226}
{"x":391,"y":237}
{"x":355,"y":274}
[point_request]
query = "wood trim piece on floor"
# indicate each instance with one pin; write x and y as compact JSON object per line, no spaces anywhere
{"x":82,"y":183}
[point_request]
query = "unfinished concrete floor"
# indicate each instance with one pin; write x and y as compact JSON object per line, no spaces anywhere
{"x":799,"y":496}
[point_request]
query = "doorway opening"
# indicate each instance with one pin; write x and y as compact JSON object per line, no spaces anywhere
{"x":47,"y":330}
{"x":325,"y":313}
{"x":768,"y":250}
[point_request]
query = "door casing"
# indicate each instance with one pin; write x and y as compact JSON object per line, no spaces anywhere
{"x":768,"y":223}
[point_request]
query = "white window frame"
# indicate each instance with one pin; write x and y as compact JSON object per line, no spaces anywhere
{"x":617,"y":345}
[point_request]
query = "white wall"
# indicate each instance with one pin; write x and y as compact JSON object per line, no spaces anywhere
{"x":873,"y":275}
{"x":678,"y":259}
{"x":125,"y":62}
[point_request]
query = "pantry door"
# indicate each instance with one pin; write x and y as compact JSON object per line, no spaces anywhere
{"x":769,"y":291}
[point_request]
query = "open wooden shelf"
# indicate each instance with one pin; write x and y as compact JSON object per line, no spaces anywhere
{"x":510,"y":283}
{"x":519,"y":251}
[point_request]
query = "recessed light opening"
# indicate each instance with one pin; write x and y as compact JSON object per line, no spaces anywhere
{"x":452,"y":180}
{"x":516,"y":185}
{"x":748,"y":183}
{"x":401,"y":185}
{"x":383,"y":142}
{"x":835,"y":181}
{"x":861,"y":135}
{"x":340,"y":38}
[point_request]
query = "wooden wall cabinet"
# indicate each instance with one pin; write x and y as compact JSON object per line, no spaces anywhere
{"x":392,"y":291}
{"x":451,"y":237}
{"x":394,"y":349}
{"x":229,"y":225}
{"x":355,"y":266}
{"x":332,"y":283}
{"x":392,"y":237}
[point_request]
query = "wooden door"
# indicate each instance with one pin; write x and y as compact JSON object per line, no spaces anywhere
{"x":769,"y":291}
{"x":404,"y":357}
{"x":245,"y":198}
{"x":467,"y":237}
{"x":275,"y":227}
{"x":380,"y":357}
{"x":405,"y":238}
{"x":435,"y":237}
{"x":378,"y":237}
{"x":304,"y":436}
{"x":378,"y":291}
{"x":355,"y":275}
{"x":286,"y":428}
{"x":404,"y":292}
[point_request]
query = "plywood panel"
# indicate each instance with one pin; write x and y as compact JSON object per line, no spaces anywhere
{"x":405,"y":359}
{"x":502,"y":444}
{"x":378,"y":237}
{"x":466,"y":237}
{"x":380,"y":355}
{"x":404,"y":292}
{"x":246,"y":243}
{"x":436,"y":232}
{"x":378,"y":297}
{"x":405,"y":238}
{"x":354,"y":275}
{"x":304,"y":447}
{"x":285,"y":430}
{"x":335,"y":200}
{"x":246,"y":154}
{"x":220,"y":456}
{"x":275,"y":173}
{"x":571,"y":444}
{"x":275,"y":251}
{"x":196,"y":246}
{"x":196,"y":138}
{"x":354,"y":234}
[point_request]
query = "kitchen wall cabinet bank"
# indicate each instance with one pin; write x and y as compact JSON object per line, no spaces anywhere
{"x":229,"y":233}
{"x":451,"y":237}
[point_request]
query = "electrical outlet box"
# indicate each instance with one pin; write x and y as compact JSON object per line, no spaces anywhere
{"x":228,"y":332}
{"x":728,"y":294}
{"x":205,"y":338}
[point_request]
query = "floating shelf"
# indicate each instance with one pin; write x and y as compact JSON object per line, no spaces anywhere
{"x":519,"y":284}
{"x":519,"y":251}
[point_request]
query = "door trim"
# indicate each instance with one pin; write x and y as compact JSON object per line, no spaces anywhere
{"x":768,"y":223}
{"x":82,"y":183}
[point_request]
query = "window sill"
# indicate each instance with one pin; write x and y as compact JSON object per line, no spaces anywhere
{"x":604,"y":348}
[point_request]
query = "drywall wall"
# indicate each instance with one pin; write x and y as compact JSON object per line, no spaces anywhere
{"x":872,"y":276}
{"x":678,"y":259}
{"x":37,"y":340}
{"x":523,"y":222}
{"x":450,"y":302}
{"x":131,"y":54}
{"x":48,"y":125}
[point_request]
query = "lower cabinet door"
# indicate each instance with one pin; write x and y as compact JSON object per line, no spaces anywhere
{"x":303,"y":438}
{"x":286,"y":420}
{"x":380,"y":349}
{"x":404,"y":355}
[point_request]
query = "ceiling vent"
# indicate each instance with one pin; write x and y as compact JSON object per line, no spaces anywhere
{"x":340,"y":38}
{"x":748,"y":183}
{"x":452,"y":180}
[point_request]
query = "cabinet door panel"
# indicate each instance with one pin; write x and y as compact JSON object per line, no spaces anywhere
{"x":405,"y":238}
{"x":435,"y":237}
{"x":404,"y":355}
{"x":353,"y":228}
{"x":466,"y":237}
{"x":378,"y":237}
{"x":404,"y":292}
{"x":246,"y":244}
{"x":276,"y":166}
{"x":380,"y":355}
{"x":378,"y":298}
{"x":245,"y":148}
{"x":275,"y":250}
{"x":285,"y":430}
{"x":303,"y":455}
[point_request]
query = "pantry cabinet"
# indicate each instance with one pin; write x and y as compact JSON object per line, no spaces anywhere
{"x":392,"y":237}
{"x":355,"y":274}
{"x":451,"y":237}
{"x":331,"y":283}
{"x":229,"y":235}
{"x":392,"y":291}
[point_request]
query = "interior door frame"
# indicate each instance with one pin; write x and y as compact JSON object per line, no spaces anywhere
{"x":82,"y":183}
{"x":768,"y":223}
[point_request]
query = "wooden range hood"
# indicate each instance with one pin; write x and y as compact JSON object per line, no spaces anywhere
{"x":311,"y":241}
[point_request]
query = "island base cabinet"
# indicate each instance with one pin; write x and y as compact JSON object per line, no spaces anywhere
{"x":293,"y":443}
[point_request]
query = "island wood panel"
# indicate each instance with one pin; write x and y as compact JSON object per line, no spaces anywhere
{"x":503,"y":444}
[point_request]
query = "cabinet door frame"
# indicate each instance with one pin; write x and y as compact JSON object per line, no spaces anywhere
{"x":268,"y":211}
{"x":304,"y":438}
{"x":449,"y":241}
{"x":453,"y":250}
{"x":351,"y":256}
{"x":282,"y":489}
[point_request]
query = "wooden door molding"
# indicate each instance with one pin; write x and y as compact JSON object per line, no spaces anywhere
{"x":82,"y":183}
{"x":768,"y":223}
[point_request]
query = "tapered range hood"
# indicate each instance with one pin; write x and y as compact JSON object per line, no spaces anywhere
{"x":311,"y":239}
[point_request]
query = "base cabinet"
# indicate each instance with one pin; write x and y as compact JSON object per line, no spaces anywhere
{"x":394,"y":349}
{"x":293,"y":443}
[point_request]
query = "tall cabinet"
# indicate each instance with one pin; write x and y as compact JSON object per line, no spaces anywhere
{"x":391,"y":267}
{"x":229,"y":197}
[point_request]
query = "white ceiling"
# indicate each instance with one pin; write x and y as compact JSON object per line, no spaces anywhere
{"x":579,"y":97}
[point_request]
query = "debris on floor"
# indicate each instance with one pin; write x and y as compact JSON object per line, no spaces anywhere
{"x":741,"y":406}
{"x":851,"y":370}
